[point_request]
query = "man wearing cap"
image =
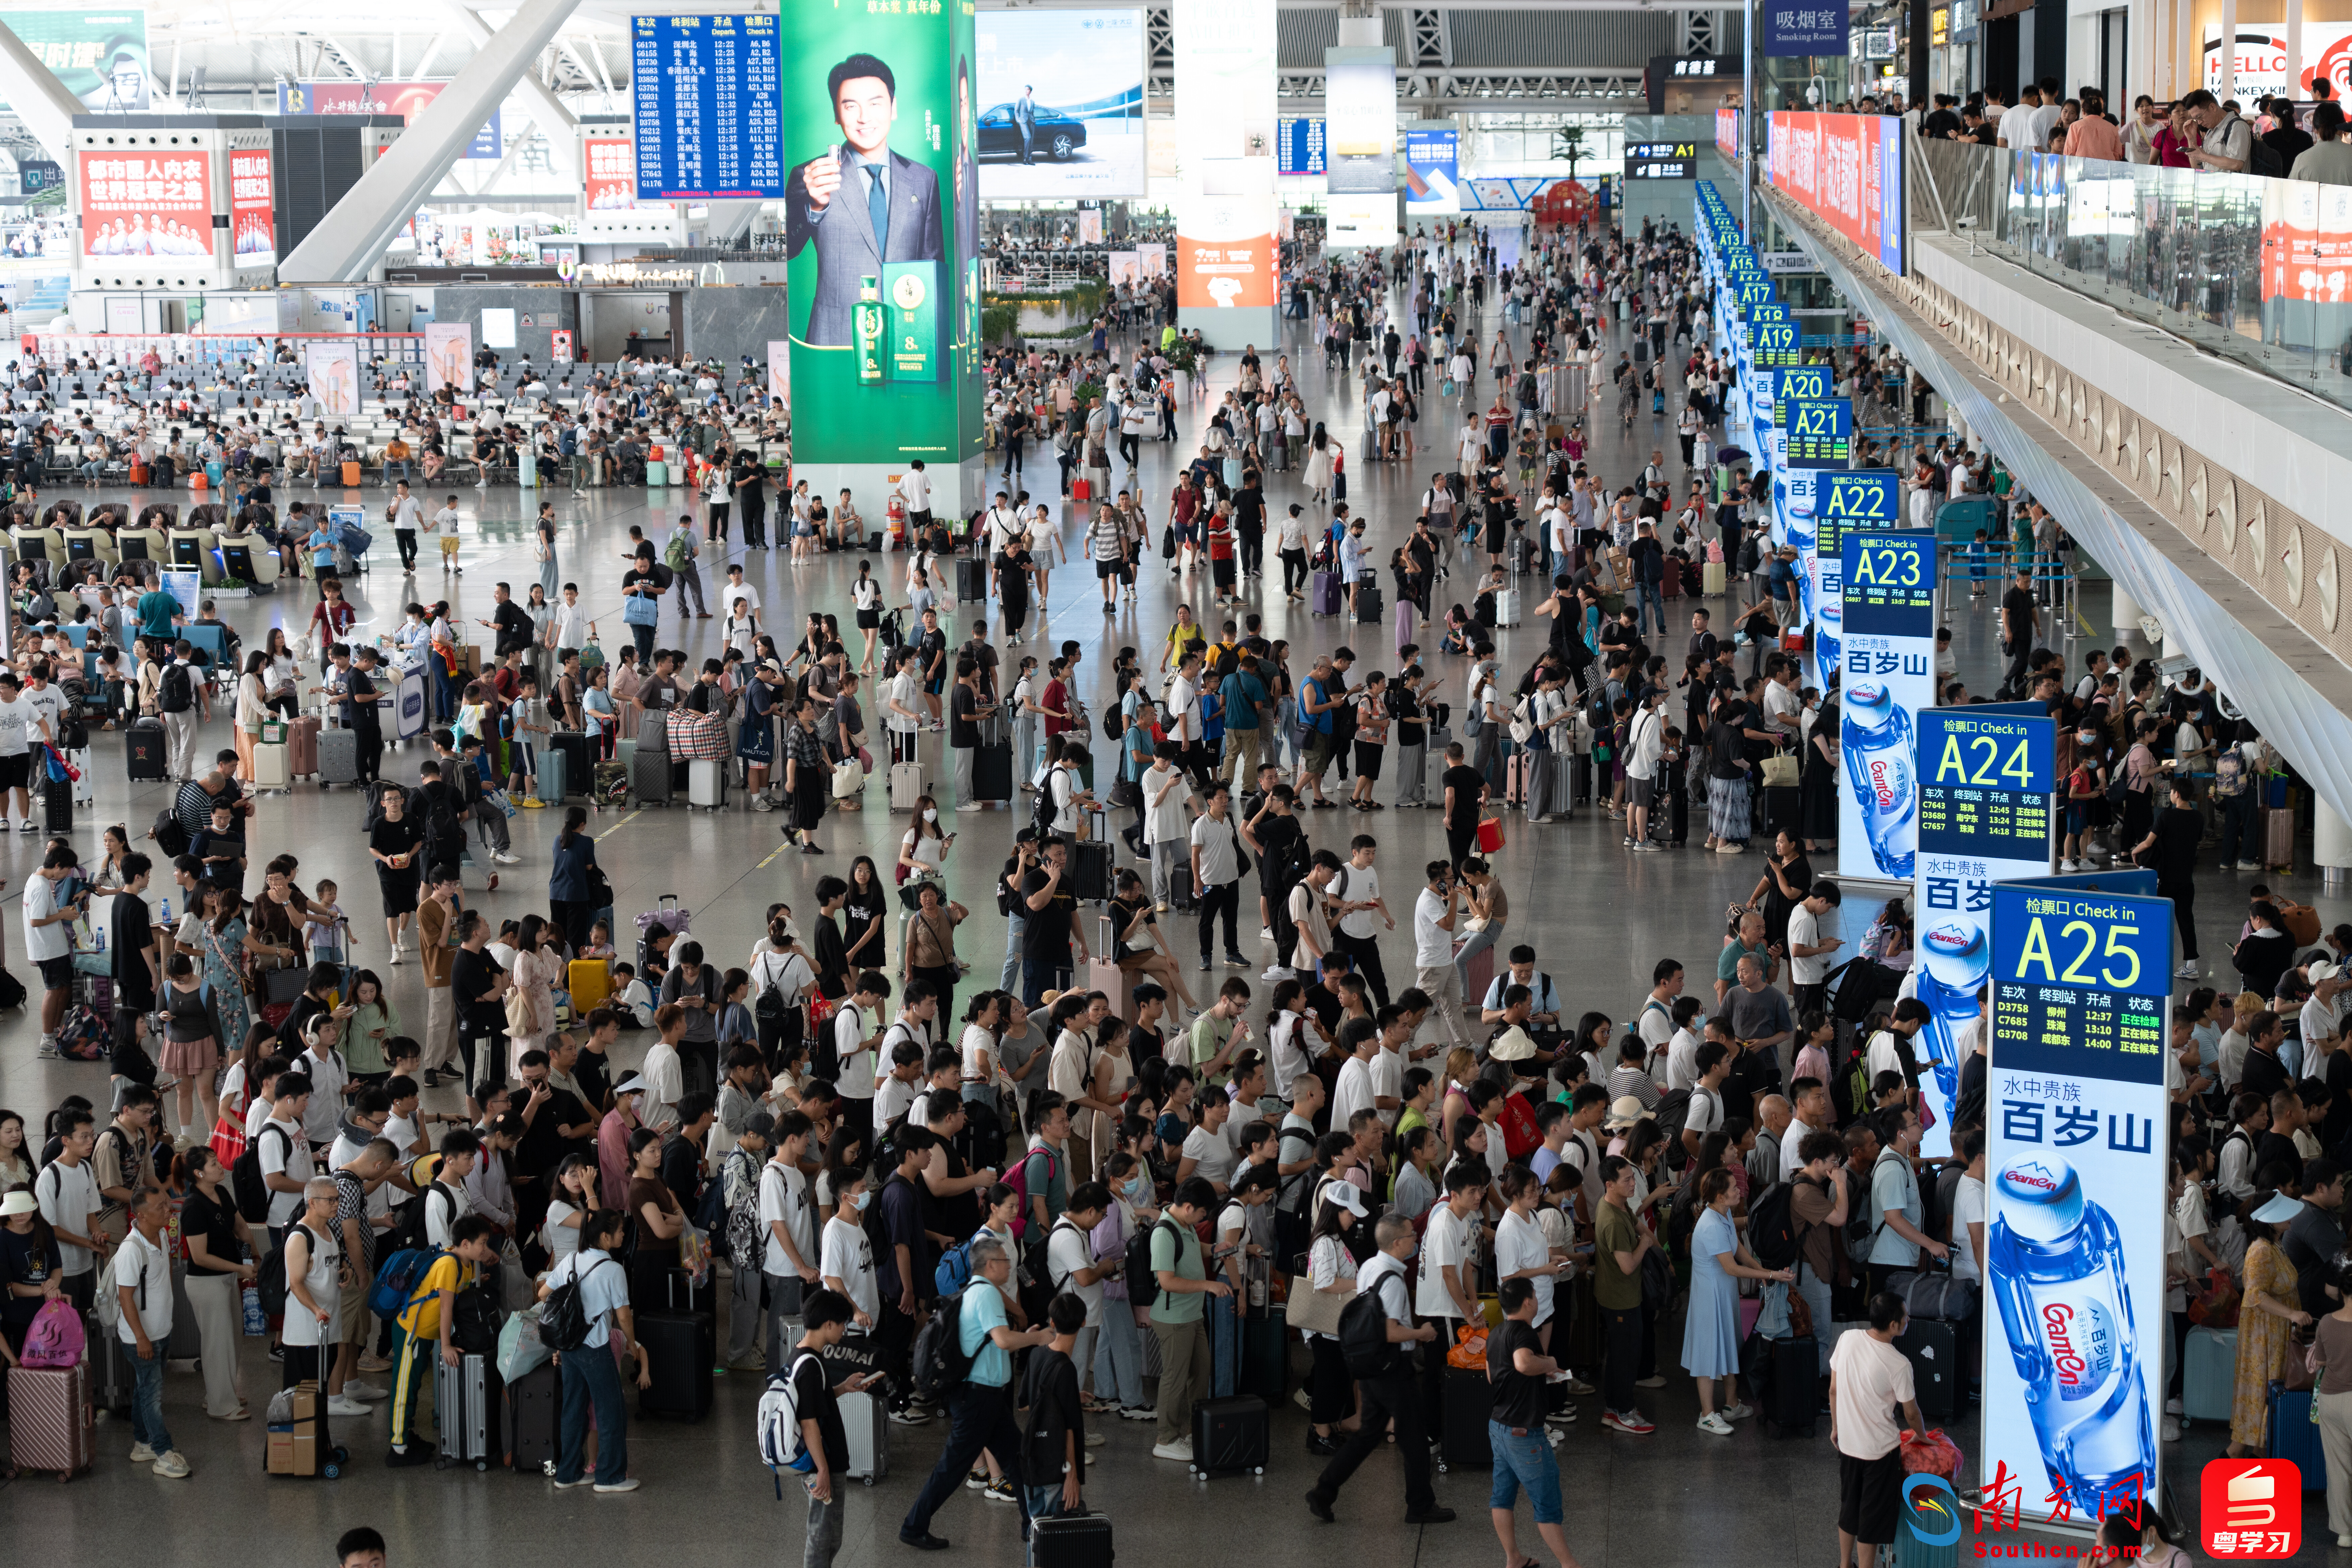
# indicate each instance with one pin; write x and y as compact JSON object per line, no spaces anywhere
{"x":612,"y":1136}
{"x":2316,"y":1235}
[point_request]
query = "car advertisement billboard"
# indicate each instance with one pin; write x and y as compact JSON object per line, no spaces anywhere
{"x":1847,"y":170}
{"x":881,"y":231}
{"x":1061,"y":104}
{"x":146,"y":205}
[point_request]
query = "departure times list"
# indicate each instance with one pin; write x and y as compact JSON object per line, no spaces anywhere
{"x":2082,"y":983}
{"x":1985,"y":782}
{"x":708,"y":120}
{"x":1821,"y":432}
{"x":1889,"y":585}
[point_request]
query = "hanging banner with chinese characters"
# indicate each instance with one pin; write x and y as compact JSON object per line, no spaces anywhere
{"x":1887,"y":650}
{"x":2073,"y":1331}
{"x":1985,"y":778}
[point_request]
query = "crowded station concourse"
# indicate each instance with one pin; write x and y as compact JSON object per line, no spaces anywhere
{"x":1325,"y":860}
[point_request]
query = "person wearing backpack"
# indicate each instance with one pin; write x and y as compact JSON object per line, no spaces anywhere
{"x":426,"y":1323}
{"x":1384,"y":1377}
{"x":591,"y":1373}
{"x":1820,"y":1199}
{"x":787,"y":1229}
{"x":180,"y":698}
{"x":980,"y":1407}
{"x":815,"y":1410}
{"x":1178,"y":1312}
{"x":1895,"y":1207}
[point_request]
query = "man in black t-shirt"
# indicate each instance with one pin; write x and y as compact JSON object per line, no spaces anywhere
{"x":1049,"y":930}
{"x":1517,"y":1367}
{"x":2021,"y":618}
{"x":1465,"y":795}
{"x":826,"y":1314}
{"x":2170,"y":849}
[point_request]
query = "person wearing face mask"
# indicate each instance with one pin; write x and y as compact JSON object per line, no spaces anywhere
{"x":1390,"y":1394}
{"x":847,"y":1263}
{"x":2086,"y":801}
{"x":1118,"y":1349}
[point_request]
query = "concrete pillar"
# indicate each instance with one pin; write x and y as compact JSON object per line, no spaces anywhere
{"x":348,"y":243}
{"x":2293,"y":46}
{"x":2125,"y":616}
{"x":39,"y":99}
{"x":2331,"y":844}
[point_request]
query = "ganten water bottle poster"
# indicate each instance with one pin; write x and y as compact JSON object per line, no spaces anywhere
{"x":1887,"y":652}
{"x":1984,"y":817}
{"x":2073,"y":1358}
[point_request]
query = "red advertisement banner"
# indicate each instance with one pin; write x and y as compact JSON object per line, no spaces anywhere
{"x":146,"y":205}
{"x":252,"y":218}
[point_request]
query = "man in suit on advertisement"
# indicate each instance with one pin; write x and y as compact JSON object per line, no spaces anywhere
{"x":1024,"y":116}
{"x":860,"y":203}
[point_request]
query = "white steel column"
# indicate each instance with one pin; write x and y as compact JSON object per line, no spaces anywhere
{"x":350,"y":239}
{"x":2228,"y":60}
{"x":2293,"y":46}
{"x":39,"y":99}
{"x":558,"y":123}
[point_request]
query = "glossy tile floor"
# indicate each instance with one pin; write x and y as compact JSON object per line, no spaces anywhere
{"x":1603,"y":917}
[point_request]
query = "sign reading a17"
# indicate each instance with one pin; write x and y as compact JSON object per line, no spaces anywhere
{"x":1755,"y":293}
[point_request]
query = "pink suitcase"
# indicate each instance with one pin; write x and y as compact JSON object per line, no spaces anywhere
{"x":302,"y":747}
{"x":49,"y":1420}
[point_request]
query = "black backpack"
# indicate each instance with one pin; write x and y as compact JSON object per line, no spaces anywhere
{"x":245,"y":1179}
{"x":1364,"y":1337}
{"x":270,"y":1281}
{"x":175,"y":693}
{"x":169,"y":836}
{"x":563,"y":1321}
{"x":940,"y":1365}
{"x":1772,"y":1227}
{"x":1142,"y":1280}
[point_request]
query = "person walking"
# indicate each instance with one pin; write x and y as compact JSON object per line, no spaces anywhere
{"x":1385,"y":1386}
{"x":980,"y":1407}
{"x":1868,"y":1378}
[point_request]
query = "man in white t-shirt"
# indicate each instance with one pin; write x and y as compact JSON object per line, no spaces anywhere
{"x":2016,"y":127}
{"x":915,"y":485}
{"x":1355,"y":895}
{"x":1436,"y":911}
{"x":142,"y":1277}
{"x":1808,"y":949}
{"x":1703,"y":1113}
{"x":1070,"y":1262}
{"x":1868,"y":1378}
{"x":1353,"y":1091}
{"x":1446,"y":1293}
{"x":854,"y":1041}
{"x":1645,"y":743}
{"x":847,"y":1264}
{"x":1968,"y":1210}
{"x":788,"y":1220}
{"x":1656,"y":1021}
{"x":67,"y":1194}
{"x":285,"y":1152}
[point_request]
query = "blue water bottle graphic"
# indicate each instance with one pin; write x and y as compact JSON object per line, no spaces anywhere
{"x":1880,"y":769}
{"x":2056,"y":1265}
{"x":1958,"y":955}
{"x":1799,"y":534}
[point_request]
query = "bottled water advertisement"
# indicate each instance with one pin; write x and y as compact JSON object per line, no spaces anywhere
{"x":1886,"y":650}
{"x":2076,"y":1183}
{"x":1985,"y":778}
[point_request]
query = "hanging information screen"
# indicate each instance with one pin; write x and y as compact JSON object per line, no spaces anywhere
{"x":708,"y":122}
{"x":1984,"y":785}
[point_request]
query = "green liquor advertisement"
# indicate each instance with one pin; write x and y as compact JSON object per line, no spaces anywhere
{"x":881,"y":229}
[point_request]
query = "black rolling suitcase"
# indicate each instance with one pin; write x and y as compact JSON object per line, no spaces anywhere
{"x":142,"y":750}
{"x":1070,"y":1541}
{"x":679,"y":1349}
{"x":534,"y":1413}
{"x":1468,"y":1399}
{"x":579,"y":760}
{"x":1933,"y":1351}
{"x":1230,"y":1435}
{"x":971,"y":579}
{"x":1789,"y":1380}
{"x":57,"y":803}
{"x":992,"y":772}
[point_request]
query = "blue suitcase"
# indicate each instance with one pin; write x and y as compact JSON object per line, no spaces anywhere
{"x":2209,"y":1374}
{"x":2295,"y":1434}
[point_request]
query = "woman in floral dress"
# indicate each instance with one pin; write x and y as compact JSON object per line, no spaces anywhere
{"x":2265,"y":1323}
{"x":225,"y":962}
